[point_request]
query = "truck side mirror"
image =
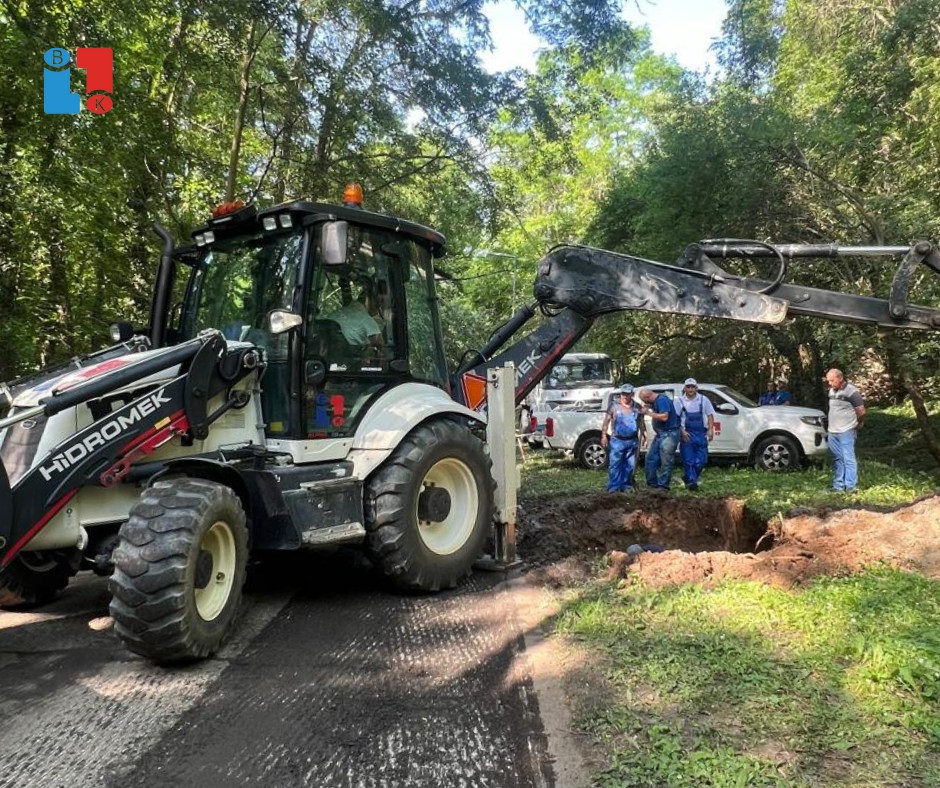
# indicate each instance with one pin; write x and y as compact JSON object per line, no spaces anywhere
{"x":726,"y":407}
{"x":333,"y":242}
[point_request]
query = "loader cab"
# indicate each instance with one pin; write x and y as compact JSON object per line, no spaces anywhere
{"x":359,"y":289}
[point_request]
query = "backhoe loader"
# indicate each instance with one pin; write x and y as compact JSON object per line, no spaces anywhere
{"x":291,"y":392}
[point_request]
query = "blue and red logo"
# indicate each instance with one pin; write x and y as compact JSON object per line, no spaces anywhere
{"x":58,"y":98}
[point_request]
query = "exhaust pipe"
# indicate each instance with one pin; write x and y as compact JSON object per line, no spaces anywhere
{"x":162,"y":290}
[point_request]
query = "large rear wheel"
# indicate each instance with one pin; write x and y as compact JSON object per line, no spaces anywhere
{"x":179,"y":570}
{"x":36,"y":577}
{"x":429,"y":508}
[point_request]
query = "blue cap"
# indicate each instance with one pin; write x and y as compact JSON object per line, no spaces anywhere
{"x":626,"y":388}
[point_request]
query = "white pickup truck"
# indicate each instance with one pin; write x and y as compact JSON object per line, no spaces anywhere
{"x":774,"y":438}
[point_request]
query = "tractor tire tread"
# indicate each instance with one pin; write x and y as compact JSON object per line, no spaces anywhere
{"x":150,"y":602}
{"x":390,"y":541}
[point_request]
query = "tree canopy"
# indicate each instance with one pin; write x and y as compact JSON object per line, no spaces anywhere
{"x":819,"y":126}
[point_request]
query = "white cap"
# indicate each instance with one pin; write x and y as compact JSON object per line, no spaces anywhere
{"x":691,"y":382}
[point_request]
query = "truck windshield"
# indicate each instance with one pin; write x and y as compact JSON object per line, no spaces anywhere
{"x":578,"y":374}
{"x":239,"y":281}
{"x":737,"y":395}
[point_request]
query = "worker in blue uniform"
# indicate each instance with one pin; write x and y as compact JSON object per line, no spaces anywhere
{"x":696,"y":430}
{"x":783,"y":393}
{"x":769,"y":397}
{"x":664,"y":414}
{"x":627,"y":434}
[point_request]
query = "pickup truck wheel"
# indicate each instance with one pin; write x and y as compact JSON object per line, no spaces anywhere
{"x":777,"y":453}
{"x":36,"y":577}
{"x":429,"y":508}
{"x":179,"y":569}
{"x":590,"y":453}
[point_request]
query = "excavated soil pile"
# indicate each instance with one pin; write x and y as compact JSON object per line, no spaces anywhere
{"x":706,"y":540}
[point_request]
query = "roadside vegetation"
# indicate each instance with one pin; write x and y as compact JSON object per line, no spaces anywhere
{"x":745,"y":684}
{"x":749,"y":685}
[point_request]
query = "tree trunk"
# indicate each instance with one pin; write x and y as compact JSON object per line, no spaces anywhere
{"x":898,"y":361}
{"x":296,"y":105}
{"x":243,"y":91}
{"x":923,"y":418}
{"x":797,"y":344}
{"x":10,"y":256}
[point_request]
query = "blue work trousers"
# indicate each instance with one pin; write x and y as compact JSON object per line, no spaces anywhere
{"x":621,"y":467}
{"x":694,"y":454}
{"x":842,"y":446}
{"x":660,"y":459}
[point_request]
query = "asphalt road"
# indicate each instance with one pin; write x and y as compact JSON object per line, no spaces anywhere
{"x":331,"y":681}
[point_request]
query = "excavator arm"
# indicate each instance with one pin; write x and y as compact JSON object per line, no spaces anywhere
{"x":577,"y":284}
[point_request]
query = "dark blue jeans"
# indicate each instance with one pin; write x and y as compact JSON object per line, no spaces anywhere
{"x":660,"y":459}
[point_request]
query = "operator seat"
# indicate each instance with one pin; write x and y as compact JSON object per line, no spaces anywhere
{"x":333,"y":345}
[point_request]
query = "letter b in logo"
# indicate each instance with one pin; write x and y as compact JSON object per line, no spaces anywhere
{"x":58,"y":98}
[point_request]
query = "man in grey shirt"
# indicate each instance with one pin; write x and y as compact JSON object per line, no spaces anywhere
{"x":846,"y":415}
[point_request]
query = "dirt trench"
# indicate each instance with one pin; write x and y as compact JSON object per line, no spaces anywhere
{"x":566,"y":540}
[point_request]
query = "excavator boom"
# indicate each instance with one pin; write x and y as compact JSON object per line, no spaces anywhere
{"x":576,"y":284}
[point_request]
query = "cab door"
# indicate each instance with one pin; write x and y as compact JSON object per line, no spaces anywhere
{"x":729,"y":421}
{"x":372,"y":324}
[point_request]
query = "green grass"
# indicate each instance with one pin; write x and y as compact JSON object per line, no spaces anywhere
{"x":882,"y":485}
{"x":749,"y":685}
{"x":752,"y":685}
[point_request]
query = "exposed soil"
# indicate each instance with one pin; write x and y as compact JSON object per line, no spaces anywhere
{"x":705,"y":540}
{"x":565,"y":540}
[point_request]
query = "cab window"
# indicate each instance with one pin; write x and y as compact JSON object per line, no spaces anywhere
{"x":359,"y":332}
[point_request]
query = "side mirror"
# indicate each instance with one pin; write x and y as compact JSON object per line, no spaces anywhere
{"x":726,"y":407}
{"x":120,"y":332}
{"x":282,"y":320}
{"x":333,"y":242}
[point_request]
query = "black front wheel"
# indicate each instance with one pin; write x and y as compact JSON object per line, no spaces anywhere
{"x":429,"y":508}
{"x":777,"y":453}
{"x":36,"y":577}
{"x":591,"y":453}
{"x":179,"y":570}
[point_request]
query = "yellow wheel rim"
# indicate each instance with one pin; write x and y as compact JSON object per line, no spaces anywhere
{"x":219,"y":543}
{"x":450,"y":534}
